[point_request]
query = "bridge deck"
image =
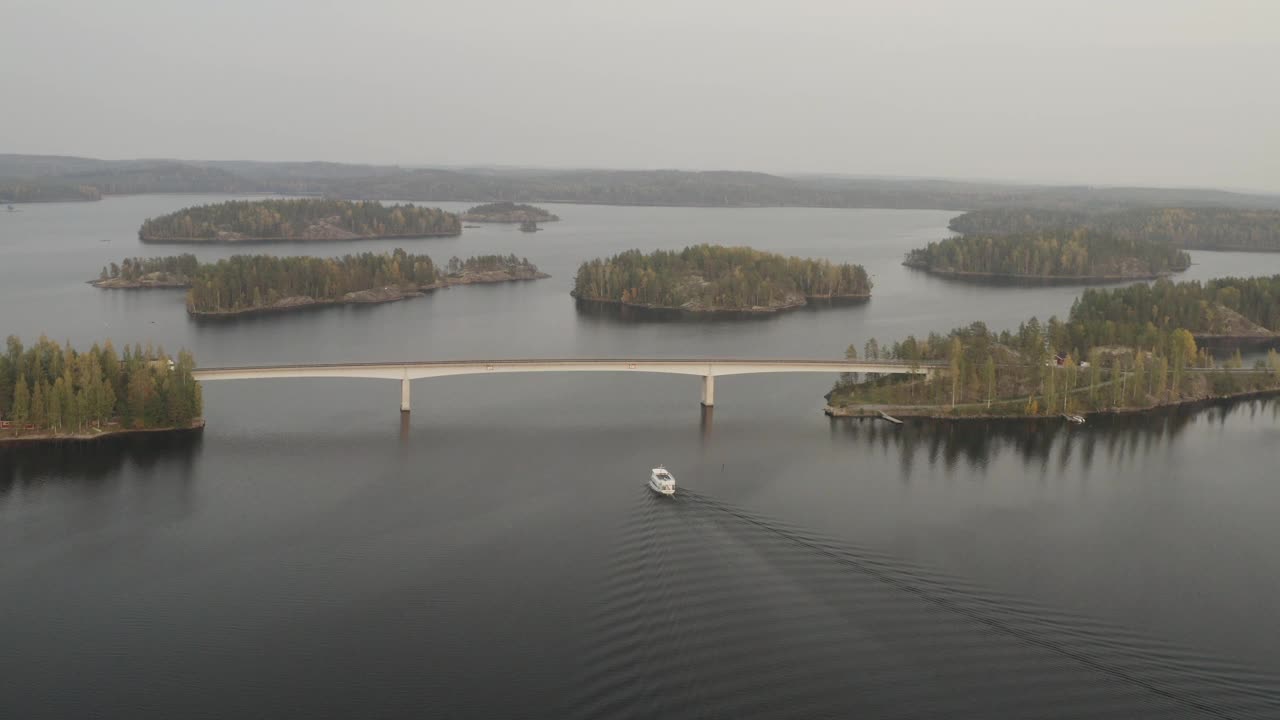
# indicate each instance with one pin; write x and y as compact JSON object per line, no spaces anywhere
{"x":679,"y":366}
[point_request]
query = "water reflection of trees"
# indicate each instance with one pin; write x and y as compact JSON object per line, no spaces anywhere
{"x":90,"y":462}
{"x":599,"y":313}
{"x":1041,"y":443}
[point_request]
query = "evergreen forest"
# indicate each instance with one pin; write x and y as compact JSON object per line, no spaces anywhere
{"x":1075,"y":254}
{"x":309,"y":218}
{"x":54,"y":389}
{"x":1197,"y":228}
{"x":508,"y":212}
{"x":1132,"y":347}
{"x":244,"y":282}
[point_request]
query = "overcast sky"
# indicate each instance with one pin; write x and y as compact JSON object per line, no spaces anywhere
{"x":1157,"y":92}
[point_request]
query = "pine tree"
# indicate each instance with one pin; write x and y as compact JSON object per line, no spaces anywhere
{"x":40,"y":405}
{"x":21,"y":402}
{"x":1095,"y":374}
{"x":990,"y":371}
{"x":56,"y":405}
{"x":957,"y":365}
{"x":139,"y":395}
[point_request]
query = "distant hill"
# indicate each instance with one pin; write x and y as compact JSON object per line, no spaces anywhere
{"x":603,"y":187}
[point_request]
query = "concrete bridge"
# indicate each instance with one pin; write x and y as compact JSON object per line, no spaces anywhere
{"x":707,"y":369}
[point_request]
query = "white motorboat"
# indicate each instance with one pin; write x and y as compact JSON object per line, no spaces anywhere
{"x":661,"y":481}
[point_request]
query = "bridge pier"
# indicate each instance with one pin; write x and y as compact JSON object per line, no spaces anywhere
{"x":404,"y":395}
{"x":708,"y":390}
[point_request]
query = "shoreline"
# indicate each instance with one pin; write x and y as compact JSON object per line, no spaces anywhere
{"x":1041,"y":279}
{"x":299,"y":239}
{"x":505,"y":221}
{"x":755,"y":310}
{"x":372,"y":296}
{"x":937,"y":412}
{"x":119,"y":284}
{"x":24,"y":440}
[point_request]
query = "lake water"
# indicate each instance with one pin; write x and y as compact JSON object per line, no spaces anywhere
{"x":497,"y":554}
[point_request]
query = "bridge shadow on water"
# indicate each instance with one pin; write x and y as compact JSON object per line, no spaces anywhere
{"x":713,"y":610}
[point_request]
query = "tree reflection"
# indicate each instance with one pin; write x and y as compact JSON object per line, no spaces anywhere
{"x":1040,"y":443}
{"x":98,"y":460}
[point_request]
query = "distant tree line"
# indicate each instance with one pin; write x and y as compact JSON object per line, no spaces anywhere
{"x":608,"y":187}
{"x":1198,"y":228}
{"x":272,"y":219}
{"x":47,"y":388}
{"x":18,"y":191}
{"x":715,"y":276}
{"x":1046,"y":254}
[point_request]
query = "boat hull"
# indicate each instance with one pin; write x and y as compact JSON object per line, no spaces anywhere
{"x":662,"y":490}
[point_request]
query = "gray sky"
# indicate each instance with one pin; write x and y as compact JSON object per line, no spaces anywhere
{"x":1157,"y":92}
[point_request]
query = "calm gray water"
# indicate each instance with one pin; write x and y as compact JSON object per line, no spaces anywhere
{"x":498,"y":555}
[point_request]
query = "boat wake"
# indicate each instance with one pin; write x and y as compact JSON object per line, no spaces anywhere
{"x":714,"y":610}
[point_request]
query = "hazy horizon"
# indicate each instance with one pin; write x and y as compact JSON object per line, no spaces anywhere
{"x":1161,"y":94}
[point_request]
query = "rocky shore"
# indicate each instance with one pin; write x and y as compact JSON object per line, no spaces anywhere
{"x":374,"y":296}
{"x":790,"y":302}
{"x":154,"y":280}
{"x":49,"y":438}
{"x":1037,"y":279}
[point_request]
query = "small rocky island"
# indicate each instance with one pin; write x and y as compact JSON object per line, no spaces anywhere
{"x":244,"y":284}
{"x":309,"y":220}
{"x":174,"y":271}
{"x":506,"y":212}
{"x":1068,"y":256}
{"x":713,"y":278}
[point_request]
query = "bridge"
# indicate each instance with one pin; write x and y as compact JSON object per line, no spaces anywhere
{"x":707,"y":369}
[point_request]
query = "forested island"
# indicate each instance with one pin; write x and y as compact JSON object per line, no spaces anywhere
{"x":713,"y":278}
{"x":310,"y":219}
{"x":245,"y":284}
{"x":507,"y":212}
{"x":1196,"y":228}
{"x":1122,"y":349}
{"x":50,"y":392}
{"x":1068,"y":255}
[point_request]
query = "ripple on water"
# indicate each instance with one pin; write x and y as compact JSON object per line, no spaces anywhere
{"x":713,"y":611}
